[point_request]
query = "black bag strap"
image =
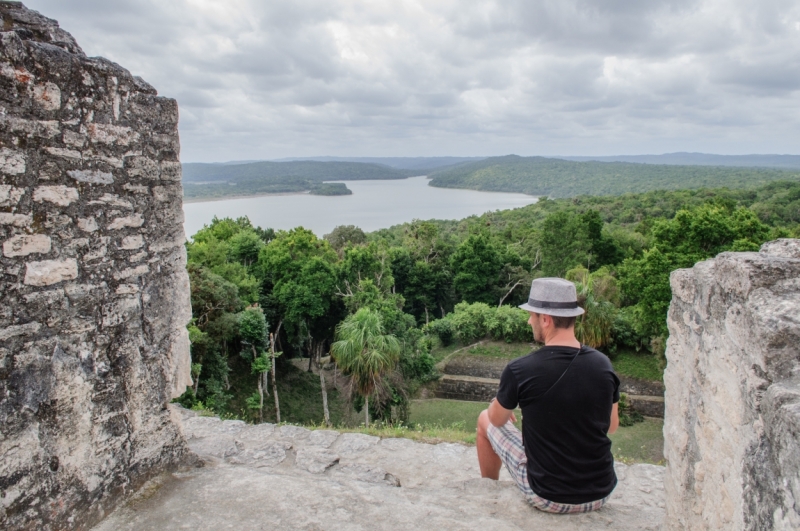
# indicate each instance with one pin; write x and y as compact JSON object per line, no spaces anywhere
{"x":562,"y":374}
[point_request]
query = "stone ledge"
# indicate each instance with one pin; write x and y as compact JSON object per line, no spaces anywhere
{"x":288,"y":477}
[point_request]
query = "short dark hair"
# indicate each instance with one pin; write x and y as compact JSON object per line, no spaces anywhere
{"x":563,"y":322}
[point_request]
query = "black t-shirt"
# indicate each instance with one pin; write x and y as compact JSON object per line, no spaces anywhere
{"x":564,"y":427}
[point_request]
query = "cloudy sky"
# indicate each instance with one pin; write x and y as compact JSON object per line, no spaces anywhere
{"x":260,"y":79}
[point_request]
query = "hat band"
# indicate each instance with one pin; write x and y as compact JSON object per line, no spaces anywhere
{"x":554,"y":305}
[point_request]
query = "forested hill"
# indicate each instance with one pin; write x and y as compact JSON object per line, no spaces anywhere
{"x":563,"y":178}
{"x":703,"y":159}
{"x":302,"y":169}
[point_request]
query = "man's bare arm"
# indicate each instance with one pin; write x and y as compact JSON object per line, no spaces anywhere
{"x":498,"y":415}
{"x":614,"y":419}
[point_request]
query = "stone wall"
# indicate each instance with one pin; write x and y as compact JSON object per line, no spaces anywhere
{"x":95,"y":294}
{"x":732,"y":427}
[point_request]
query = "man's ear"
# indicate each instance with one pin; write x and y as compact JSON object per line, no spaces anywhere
{"x":546,"y":320}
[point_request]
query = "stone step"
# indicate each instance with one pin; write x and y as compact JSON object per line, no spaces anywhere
{"x":482,"y":367}
{"x":472,"y":388}
{"x":649,"y":406}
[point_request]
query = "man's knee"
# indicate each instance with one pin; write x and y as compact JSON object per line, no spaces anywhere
{"x":483,"y":421}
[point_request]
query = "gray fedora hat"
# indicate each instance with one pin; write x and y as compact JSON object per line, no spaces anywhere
{"x":553,"y":296}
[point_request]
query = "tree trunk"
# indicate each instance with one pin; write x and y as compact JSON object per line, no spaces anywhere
{"x":274,"y":385}
{"x":261,"y":401}
{"x":197,"y":379}
{"x":503,"y":298}
{"x":426,"y":315}
{"x":260,"y":389}
{"x":326,"y":414}
{"x":366,"y":411}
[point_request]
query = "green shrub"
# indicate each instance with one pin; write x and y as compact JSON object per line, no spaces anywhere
{"x":470,"y":321}
{"x":510,"y":324}
{"x":624,"y":334}
{"x":627,"y":416}
{"x":443,"y":329}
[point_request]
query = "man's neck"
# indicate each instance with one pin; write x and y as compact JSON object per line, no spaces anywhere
{"x":562,"y":337}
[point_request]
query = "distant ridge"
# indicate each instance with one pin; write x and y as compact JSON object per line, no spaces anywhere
{"x":402,"y":163}
{"x":566,"y":178}
{"x":701,"y":159}
{"x":310,"y":170}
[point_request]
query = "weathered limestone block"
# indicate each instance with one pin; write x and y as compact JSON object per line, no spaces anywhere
{"x":732,"y":426}
{"x":95,"y":294}
{"x":26,"y":244}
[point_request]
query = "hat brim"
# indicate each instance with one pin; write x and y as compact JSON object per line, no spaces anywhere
{"x":557,"y":312}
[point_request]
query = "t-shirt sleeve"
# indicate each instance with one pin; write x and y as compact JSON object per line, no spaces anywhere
{"x":616,"y":388}
{"x":508,"y":391}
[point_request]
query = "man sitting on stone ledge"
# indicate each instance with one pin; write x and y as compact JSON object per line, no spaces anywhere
{"x":568,"y":394}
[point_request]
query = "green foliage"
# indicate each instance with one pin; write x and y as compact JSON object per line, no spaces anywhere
{"x":690,"y":236}
{"x":627,"y":415}
{"x":364,"y":351}
{"x":344,"y":235}
{"x":253,"y":333}
{"x":443,"y":329}
{"x":476,"y":265}
{"x":330,"y":189}
{"x":471,"y":321}
{"x":509,"y":324}
{"x":564,"y":243}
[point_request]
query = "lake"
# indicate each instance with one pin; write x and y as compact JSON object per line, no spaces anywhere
{"x":373,"y":205}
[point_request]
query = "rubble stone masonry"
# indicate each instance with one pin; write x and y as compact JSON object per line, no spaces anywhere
{"x":94,"y":294}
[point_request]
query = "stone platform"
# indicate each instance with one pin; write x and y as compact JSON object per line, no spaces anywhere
{"x":288,"y":477}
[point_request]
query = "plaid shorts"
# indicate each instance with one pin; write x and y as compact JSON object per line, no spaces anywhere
{"x":507,"y":443}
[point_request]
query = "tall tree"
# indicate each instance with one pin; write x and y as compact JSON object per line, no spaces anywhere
{"x":476,"y":269}
{"x":253,"y":332}
{"x":365,"y":352}
{"x":564,"y":243}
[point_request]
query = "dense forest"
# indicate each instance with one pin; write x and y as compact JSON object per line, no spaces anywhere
{"x":530,"y":175}
{"x":398,"y":293}
{"x":563,"y":178}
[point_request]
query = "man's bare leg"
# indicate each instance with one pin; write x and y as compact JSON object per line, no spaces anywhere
{"x":488,"y":460}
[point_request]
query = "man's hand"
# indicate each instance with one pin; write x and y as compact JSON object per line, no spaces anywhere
{"x":498,"y":415}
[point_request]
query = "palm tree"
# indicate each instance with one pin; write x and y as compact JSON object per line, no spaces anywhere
{"x":364,"y":352}
{"x":594,"y":328}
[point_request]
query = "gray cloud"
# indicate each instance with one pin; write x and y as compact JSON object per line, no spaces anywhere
{"x":461,"y":77}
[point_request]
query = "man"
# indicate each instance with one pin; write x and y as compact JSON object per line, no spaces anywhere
{"x":568,"y":394}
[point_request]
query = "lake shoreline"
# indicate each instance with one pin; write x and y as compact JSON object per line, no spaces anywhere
{"x":373,"y":205}
{"x":230,"y":197}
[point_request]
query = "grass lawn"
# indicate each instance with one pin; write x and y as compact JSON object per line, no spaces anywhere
{"x":643,"y":365}
{"x":458,"y":414}
{"x":641,"y":443}
{"x":455,"y":420}
{"x":501,"y":349}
